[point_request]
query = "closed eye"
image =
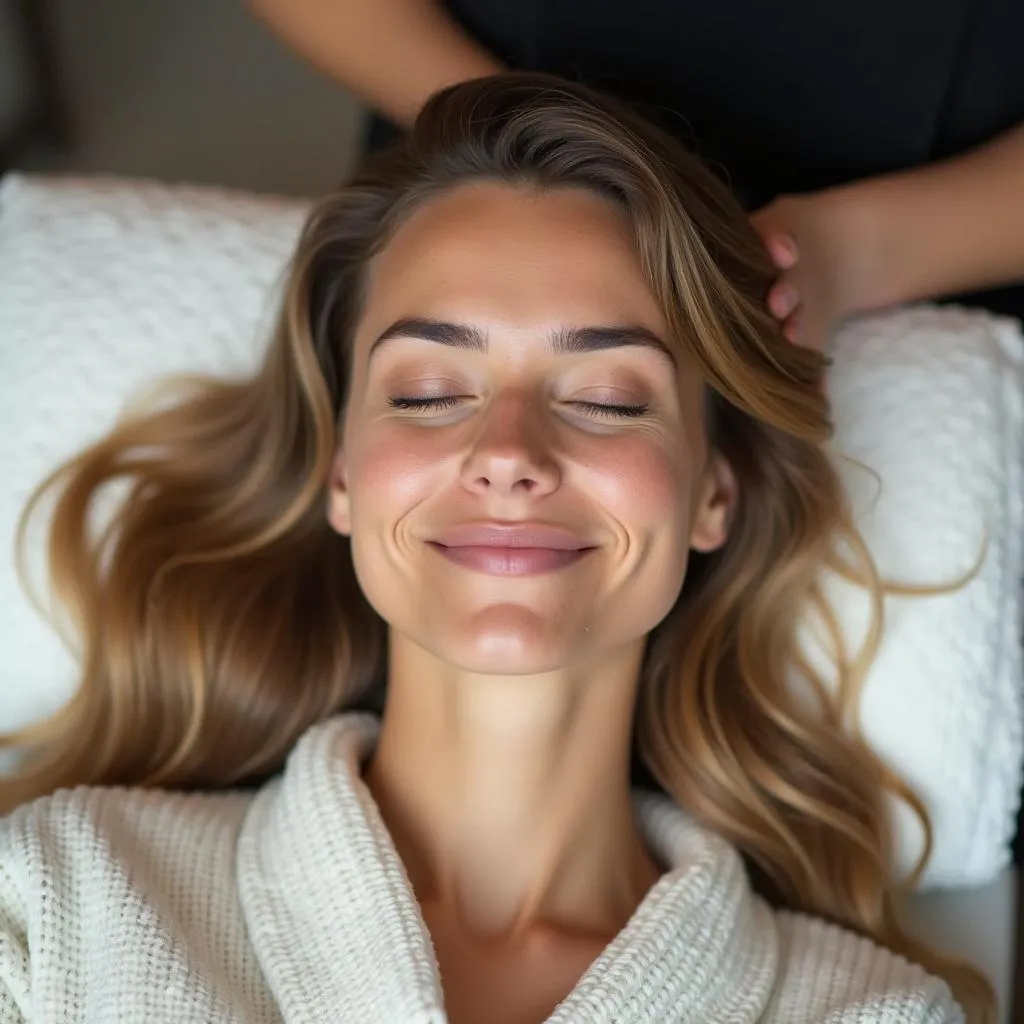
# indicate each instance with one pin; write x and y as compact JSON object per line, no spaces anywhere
{"x":604,"y":409}
{"x":431,"y":402}
{"x":441,"y":402}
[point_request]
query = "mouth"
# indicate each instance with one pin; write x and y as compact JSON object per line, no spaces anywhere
{"x":511,"y":549}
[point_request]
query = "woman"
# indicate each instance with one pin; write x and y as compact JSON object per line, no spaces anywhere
{"x":880,"y":143}
{"x":528,"y":492}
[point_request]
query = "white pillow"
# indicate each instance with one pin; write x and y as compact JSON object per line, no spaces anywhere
{"x":105,"y":284}
{"x":931,"y":399}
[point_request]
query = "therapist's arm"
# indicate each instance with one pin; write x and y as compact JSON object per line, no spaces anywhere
{"x":392,"y":54}
{"x":953,"y":226}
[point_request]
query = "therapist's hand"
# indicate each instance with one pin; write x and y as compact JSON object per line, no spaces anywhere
{"x":828,"y":248}
{"x":945,"y":228}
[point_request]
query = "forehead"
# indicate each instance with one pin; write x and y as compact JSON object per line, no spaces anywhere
{"x":517,"y":255}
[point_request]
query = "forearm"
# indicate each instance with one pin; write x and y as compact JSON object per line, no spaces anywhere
{"x":954,"y":226}
{"x":391,"y":53}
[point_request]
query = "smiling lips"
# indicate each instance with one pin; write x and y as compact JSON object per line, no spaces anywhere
{"x":512,"y":549}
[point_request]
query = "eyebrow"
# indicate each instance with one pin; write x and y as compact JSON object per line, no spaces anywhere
{"x":564,"y":340}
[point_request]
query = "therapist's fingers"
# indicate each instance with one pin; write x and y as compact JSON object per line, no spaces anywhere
{"x":783,"y":250}
{"x":783,"y":299}
{"x":793,"y":328}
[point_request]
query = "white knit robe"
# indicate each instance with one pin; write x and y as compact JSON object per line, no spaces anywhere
{"x":291,"y":904}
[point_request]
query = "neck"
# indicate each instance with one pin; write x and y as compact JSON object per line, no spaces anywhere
{"x":508,"y":798}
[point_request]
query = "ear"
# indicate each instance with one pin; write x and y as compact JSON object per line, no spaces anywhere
{"x":339,"y":511}
{"x":716,"y":500}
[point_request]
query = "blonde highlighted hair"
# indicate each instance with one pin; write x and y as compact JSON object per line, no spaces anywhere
{"x":218,"y":615}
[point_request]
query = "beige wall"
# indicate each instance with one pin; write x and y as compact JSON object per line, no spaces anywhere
{"x":197,"y":90}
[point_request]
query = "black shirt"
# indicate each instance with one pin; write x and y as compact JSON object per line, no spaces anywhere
{"x":785,"y":97}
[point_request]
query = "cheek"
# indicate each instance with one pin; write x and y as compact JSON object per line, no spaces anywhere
{"x":390,"y":471}
{"x":645,"y":484}
{"x":389,"y":475}
{"x":640,"y":481}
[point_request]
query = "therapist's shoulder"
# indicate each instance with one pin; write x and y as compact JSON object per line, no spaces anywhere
{"x":829,"y":974}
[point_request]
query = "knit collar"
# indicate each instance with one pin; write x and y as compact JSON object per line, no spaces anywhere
{"x":339,"y":935}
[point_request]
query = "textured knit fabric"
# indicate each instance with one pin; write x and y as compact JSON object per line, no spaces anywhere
{"x":291,"y":904}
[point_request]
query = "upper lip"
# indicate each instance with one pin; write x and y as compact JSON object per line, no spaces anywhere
{"x":511,"y":535}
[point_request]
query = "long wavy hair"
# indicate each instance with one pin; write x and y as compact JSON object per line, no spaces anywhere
{"x":217,"y":615}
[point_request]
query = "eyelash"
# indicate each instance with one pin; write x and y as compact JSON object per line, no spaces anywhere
{"x":595,"y":409}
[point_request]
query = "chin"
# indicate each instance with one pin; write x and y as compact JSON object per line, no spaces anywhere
{"x":507,"y":641}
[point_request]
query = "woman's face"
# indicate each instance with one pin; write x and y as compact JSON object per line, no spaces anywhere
{"x":523,"y":467}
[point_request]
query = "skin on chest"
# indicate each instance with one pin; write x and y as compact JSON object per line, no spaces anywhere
{"x":503,"y":983}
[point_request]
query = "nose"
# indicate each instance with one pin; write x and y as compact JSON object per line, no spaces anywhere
{"x":511,"y":454}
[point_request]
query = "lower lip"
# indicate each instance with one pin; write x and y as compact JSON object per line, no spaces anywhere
{"x":511,"y":561}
